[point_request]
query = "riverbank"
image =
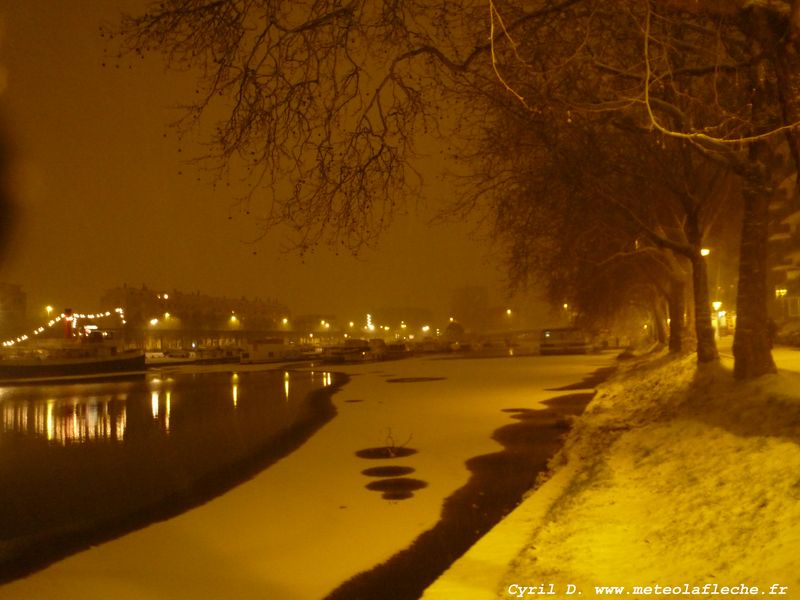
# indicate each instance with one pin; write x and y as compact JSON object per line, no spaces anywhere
{"x":674,"y":476}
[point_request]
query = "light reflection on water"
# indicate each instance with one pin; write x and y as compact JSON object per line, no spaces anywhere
{"x":116,"y":448}
{"x":83,"y":418}
{"x":66,"y":419}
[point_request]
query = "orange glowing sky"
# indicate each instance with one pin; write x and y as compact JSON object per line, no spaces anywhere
{"x":105,"y":197}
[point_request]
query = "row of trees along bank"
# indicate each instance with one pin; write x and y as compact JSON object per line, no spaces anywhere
{"x":600,"y":139}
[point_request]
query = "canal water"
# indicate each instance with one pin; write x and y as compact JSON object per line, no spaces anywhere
{"x":81,"y":463}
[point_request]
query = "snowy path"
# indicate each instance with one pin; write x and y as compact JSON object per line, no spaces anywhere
{"x":786,"y":358}
{"x":308,"y":523}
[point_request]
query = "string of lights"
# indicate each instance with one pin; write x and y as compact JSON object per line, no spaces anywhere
{"x":73,"y":317}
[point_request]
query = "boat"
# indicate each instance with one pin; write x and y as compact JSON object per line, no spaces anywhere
{"x":269,"y":350}
{"x":94,"y":355}
{"x":352,"y":350}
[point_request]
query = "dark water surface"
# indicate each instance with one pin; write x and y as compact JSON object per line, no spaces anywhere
{"x":80,"y":463}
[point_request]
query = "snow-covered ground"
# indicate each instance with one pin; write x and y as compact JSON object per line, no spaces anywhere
{"x":675,"y":477}
{"x":306,"y":524}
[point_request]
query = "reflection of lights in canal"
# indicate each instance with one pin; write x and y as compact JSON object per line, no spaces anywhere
{"x":51,"y":424}
{"x":156,"y":384}
{"x":65,"y":416}
{"x":68,"y":420}
{"x":327,"y":378}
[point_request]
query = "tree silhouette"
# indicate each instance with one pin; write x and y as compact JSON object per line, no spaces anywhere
{"x":323,"y":102}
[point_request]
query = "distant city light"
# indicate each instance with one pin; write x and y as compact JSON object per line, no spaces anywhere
{"x":705,"y":252}
{"x":153,"y":321}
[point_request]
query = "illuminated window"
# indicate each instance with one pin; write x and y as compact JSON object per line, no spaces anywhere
{"x":780,"y":292}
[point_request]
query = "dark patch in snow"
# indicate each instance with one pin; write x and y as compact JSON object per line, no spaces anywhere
{"x":382,"y":452}
{"x":397,"y":488}
{"x":590,"y":381}
{"x":388,"y":471}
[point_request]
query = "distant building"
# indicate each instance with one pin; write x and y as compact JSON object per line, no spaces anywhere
{"x":13,"y":309}
{"x":194,"y":310}
{"x":784,"y":252}
{"x":166,"y":320}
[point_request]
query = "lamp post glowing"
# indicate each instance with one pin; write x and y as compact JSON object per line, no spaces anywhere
{"x":717,"y":305}
{"x":704,"y":251}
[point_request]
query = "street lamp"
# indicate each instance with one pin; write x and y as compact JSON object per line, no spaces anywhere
{"x":717,"y":305}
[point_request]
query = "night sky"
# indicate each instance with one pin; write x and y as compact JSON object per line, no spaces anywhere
{"x":105,"y":196}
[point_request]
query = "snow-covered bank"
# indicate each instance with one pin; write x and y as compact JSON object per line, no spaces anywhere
{"x":673,"y":476}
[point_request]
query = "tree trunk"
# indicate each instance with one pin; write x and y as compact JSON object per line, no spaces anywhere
{"x":677,"y":308}
{"x":706,"y":344}
{"x":659,"y":321}
{"x":751,"y":345}
{"x":751,"y":342}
